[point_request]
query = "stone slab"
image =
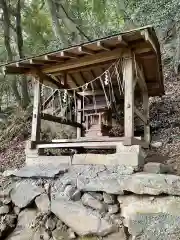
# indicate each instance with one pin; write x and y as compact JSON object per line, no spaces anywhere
{"x":80,"y":219}
{"x":151,"y":218}
{"x":133,"y":159}
{"x":55,"y":160}
{"x":41,"y":170}
{"x":23,"y":193}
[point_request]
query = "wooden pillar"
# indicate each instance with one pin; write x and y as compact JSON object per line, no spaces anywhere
{"x":128,"y":101}
{"x":79,"y":117}
{"x":146,"y":113}
{"x":36,"y":120}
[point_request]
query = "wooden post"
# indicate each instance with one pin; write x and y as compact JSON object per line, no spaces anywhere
{"x":128,"y":101}
{"x":146,"y":113}
{"x":79,"y":117}
{"x":36,"y":120}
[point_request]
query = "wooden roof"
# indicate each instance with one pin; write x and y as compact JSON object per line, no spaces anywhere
{"x":82,"y":63}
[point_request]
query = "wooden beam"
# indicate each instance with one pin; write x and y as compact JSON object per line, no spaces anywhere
{"x":90,"y":139}
{"x":68,"y":55}
{"x":141,"y":79}
{"x":147,"y":136}
{"x":135,"y":141}
{"x":122,"y":41}
{"x":128,"y":98}
{"x":52,"y":118}
{"x":86,"y":50}
{"x":91,"y":93}
{"x":53,"y":58}
{"x":39,"y":61}
{"x":36,"y":121}
{"x":79,"y":144}
{"x":87,"y":60}
{"x":140,"y":115}
{"x":103,"y":46}
{"x":147,"y":37}
{"x":48,"y":100}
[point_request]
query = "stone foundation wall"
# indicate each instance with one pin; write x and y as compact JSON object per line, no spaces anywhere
{"x":90,"y":202}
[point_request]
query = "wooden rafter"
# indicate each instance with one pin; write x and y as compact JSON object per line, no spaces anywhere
{"x":122,"y":41}
{"x":87,"y":60}
{"x":86,"y":50}
{"x":68,"y":54}
{"x":103,"y":46}
{"x":53,"y":58}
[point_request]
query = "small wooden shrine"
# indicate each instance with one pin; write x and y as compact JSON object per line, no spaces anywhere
{"x":92,"y":85}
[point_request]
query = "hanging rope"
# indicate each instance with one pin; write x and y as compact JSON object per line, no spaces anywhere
{"x":68,"y":100}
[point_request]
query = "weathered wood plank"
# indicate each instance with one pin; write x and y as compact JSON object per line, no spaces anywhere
{"x":135,"y":141}
{"x":79,"y":117}
{"x":36,"y":121}
{"x":52,"y":118}
{"x":140,"y":115}
{"x":88,"y":139}
{"x":146,"y":112}
{"x":128,"y":98}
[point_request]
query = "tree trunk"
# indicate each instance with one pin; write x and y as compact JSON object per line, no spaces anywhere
{"x":6,"y":27}
{"x":24,"y":87}
{"x":56,"y":24}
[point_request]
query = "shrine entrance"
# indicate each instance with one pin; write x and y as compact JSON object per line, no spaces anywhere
{"x":93,"y":87}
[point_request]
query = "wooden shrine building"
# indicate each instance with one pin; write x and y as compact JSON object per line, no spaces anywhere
{"x":89,"y":85}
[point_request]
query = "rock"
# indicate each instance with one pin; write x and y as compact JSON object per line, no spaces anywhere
{"x":101,"y":184}
{"x":6,"y":200}
{"x":71,"y":234}
{"x":156,"y":144}
{"x":109,"y":198}
{"x":4,"y":209}
{"x":7,"y":224}
{"x":43,"y":203}
{"x":24,"y":193}
{"x":117,"y":219}
{"x":92,"y":202}
{"x":72,"y":193}
{"x":17,"y":210}
{"x":148,"y":218}
{"x":120,"y":235}
{"x":98,"y":196}
{"x":76,"y":195}
{"x":50,"y":224}
{"x":59,"y":224}
{"x":152,"y":184}
{"x":113,"y":208}
{"x":82,"y":220}
{"x":47,"y":170}
{"x":154,"y":167}
{"x":23,"y":230}
{"x":58,"y":234}
{"x":9,"y":173}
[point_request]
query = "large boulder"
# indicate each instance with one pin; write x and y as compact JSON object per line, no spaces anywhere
{"x":92,"y":202}
{"x":152,"y":184}
{"x":80,"y":219}
{"x":148,"y":218}
{"x":24,"y":193}
{"x":23,"y":230}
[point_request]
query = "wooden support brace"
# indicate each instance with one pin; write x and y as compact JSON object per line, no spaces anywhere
{"x":140,"y":115}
